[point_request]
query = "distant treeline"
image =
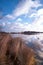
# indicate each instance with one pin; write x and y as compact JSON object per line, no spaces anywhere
{"x":25,"y":32}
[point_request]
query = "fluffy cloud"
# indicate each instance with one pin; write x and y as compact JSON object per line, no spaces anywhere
{"x":3,"y":24}
{"x":25,"y":8}
{"x":19,"y":20}
{"x":38,"y":22}
{"x":9,"y":16}
{"x":40,"y":12}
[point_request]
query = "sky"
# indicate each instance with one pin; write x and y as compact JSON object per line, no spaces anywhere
{"x":21,"y":15}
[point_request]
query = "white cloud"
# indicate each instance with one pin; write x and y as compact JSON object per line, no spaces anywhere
{"x":40,"y":12}
{"x":33,"y":15}
{"x":9,"y":16}
{"x":39,"y":19}
{"x":24,"y":7}
{"x":18,"y":26}
{"x":3,"y":23}
{"x":37,"y":25}
{"x":19,"y":20}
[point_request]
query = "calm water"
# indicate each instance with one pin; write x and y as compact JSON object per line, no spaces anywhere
{"x":33,"y":41}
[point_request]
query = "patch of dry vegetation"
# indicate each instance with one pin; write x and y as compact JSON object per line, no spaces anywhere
{"x":13,"y":51}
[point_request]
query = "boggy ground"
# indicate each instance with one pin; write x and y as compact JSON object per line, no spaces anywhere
{"x":13,"y":51}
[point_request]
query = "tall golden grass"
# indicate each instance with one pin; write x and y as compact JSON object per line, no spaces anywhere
{"x":13,"y":51}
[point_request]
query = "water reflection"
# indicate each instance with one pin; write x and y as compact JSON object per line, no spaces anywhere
{"x":33,"y":41}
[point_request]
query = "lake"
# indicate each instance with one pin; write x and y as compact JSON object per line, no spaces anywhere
{"x":35,"y":42}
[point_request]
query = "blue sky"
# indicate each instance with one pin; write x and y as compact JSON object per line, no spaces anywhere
{"x":21,"y":15}
{"x":8,"y":6}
